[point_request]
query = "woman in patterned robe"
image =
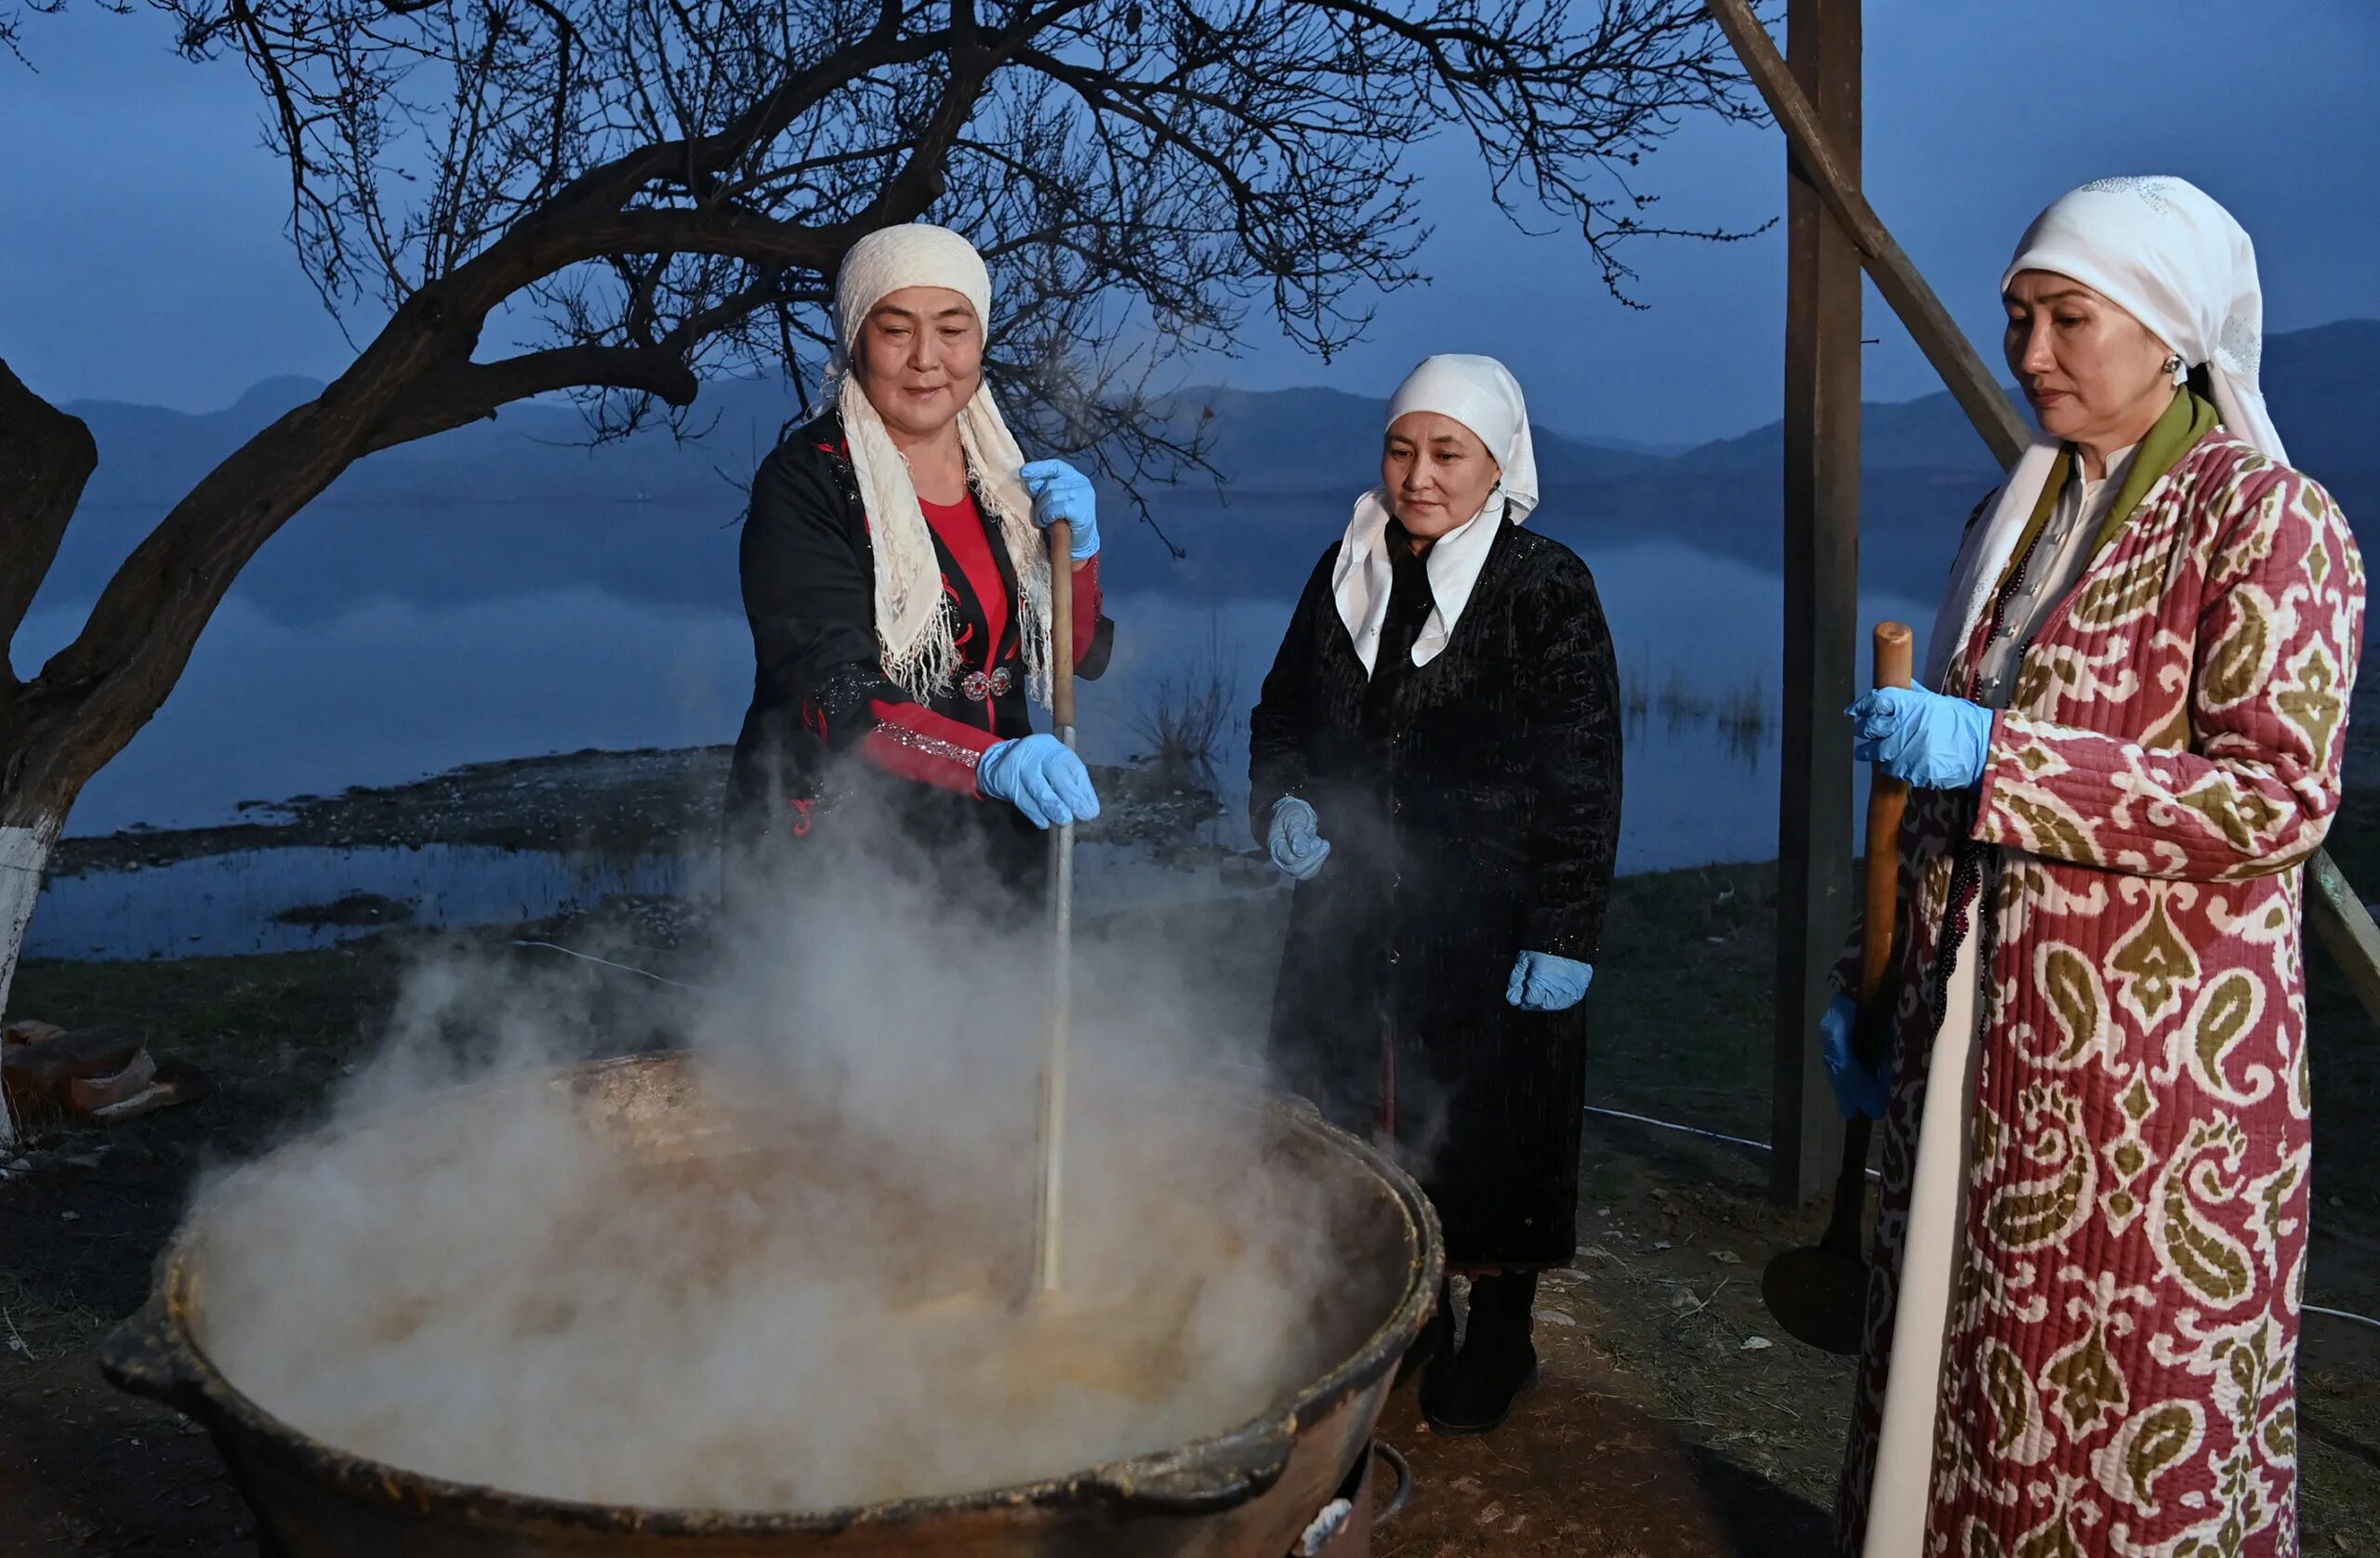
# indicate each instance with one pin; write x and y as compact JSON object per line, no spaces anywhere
{"x":2081,"y":1324}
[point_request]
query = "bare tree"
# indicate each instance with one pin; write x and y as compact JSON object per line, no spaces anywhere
{"x":646,"y":192}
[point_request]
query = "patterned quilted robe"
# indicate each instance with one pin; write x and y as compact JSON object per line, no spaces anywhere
{"x":2119,"y":1363}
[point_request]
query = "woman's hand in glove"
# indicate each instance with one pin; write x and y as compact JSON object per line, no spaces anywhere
{"x":1858,"y":1090}
{"x":1060,"y":492}
{"x":1297,"y":847}
{"x":1541,"y":981}
{"x":1040,"y":776}
{"x":1921,"y":737}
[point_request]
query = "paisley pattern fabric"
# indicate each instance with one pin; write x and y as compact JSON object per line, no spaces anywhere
{"x":2119,"y":1367}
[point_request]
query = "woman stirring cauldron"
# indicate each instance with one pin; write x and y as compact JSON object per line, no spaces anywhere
{"x":2083,"y":1320}
{"x":899,"y":589}
{"x":1435,"y":760}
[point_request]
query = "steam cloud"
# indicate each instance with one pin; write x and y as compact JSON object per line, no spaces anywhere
{"x":815,"y":1302}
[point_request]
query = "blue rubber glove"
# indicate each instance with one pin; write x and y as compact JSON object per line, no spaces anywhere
{"x":1541,"y":981}
{"x":1856,"y":1090}
{"x":1932,"y":742}
{"x":1297,"y":847}
{"x":1041,"y":777}
{"x":1060,"y":492}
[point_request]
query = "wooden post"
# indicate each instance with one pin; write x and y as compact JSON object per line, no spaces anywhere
{"x":1814,"y":845}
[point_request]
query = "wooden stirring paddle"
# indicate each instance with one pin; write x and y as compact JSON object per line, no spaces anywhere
{"x":1050,"y":1179}
{"x":1820,"y":1294}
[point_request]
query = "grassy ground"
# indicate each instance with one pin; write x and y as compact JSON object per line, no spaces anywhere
{"x":1674,"y":1418}
{"x":1682,"y":999}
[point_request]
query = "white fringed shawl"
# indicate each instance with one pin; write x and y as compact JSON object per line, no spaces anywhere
{"x":914,"y":627}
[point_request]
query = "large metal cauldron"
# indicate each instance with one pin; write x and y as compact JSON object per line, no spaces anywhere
{"x":1248,"y":1493}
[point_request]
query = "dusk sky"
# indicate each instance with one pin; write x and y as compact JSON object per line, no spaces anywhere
{"x":142,"y":256}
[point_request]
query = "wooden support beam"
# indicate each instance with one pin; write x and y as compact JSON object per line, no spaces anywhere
{"x":2334,"y":912}
{"x":2344,"y":928}
{"x":1815,"y":894}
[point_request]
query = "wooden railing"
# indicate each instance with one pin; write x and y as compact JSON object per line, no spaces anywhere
{"x":2338,"y":916}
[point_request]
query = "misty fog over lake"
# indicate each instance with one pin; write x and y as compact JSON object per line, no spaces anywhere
{"x":383,"y":688}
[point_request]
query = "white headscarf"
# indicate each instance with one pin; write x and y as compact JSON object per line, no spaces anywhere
{"x":914,"y":625}
{"x":1480,"y":393}
{"x":2161,"y":249}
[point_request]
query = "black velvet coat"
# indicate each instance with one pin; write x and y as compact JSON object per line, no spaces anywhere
{"x":1473,"y":816}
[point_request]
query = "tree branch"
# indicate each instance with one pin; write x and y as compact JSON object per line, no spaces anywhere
{"x":882,"y":48}
{"x":285,"y":102}
{"x":534,"y":251}
{"x":924,"y":175}
{"x":46,"y":458}
{"x":473,"y":391}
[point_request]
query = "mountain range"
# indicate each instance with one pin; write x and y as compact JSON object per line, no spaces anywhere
{"x":519,"y":502}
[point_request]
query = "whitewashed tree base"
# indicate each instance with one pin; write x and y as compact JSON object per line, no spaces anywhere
{"x":24,"y":851}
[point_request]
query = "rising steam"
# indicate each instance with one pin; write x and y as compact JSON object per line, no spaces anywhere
{"x":814,"y":1301}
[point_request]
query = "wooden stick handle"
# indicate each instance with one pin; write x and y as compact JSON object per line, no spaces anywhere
{"x":1050,"y":1191}
{"x":1888,"y":798}
{"x":1062,"y":629}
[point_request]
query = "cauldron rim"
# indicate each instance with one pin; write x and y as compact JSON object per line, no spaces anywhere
{"x":154,"y":1352}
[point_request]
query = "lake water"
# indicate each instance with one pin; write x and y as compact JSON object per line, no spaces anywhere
{"x":226,"y":905}
{"x":383,"y":689}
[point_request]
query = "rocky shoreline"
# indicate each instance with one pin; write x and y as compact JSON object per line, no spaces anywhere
{"x":639,"y":802}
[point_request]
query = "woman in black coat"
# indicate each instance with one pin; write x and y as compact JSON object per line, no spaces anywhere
{"x":1435,"y":758}
{"x":899,"y":593}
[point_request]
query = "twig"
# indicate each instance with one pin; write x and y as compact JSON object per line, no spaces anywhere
{"x":1690,"y":1314}
{"x":605,"y":962}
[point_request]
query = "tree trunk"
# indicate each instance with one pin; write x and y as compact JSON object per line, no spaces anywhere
{"x":24,"y":851}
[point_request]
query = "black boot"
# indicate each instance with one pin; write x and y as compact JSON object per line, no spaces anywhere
{"x":1433,"y":1350}
{"x":1497,"y":1362}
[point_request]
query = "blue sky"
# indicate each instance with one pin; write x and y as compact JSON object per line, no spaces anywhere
{"x":142,"y":256}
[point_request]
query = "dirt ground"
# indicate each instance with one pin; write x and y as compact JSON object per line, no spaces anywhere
{"x":1672,"y":1417}
{"x":1663,"y":1426}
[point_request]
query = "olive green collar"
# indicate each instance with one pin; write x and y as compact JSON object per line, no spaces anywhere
{"x":2186,"y":420}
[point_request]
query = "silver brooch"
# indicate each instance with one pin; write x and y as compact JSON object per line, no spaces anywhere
{"x":976,"y":686}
